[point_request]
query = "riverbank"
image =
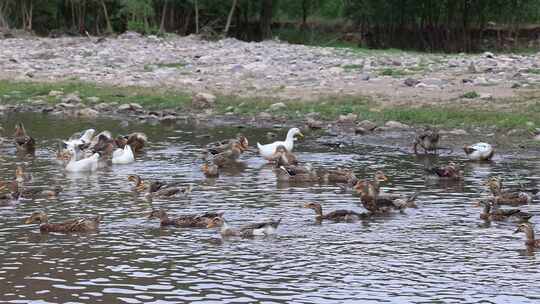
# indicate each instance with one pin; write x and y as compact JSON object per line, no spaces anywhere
{"x":484,"y":97}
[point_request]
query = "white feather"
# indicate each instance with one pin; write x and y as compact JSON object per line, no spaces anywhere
{"x":267,"y":151}
{"x":123,"y":156}
{"x":481,"y":151}
{"x":89,"y":164}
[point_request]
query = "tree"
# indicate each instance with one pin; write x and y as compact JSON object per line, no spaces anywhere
{"x":265,"y":19}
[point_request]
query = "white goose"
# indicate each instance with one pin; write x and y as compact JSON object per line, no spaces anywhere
{"x":89,"y":164}
{"x":479,"y":151}
{"x":123,"y":156}
{"x":267,"y":151}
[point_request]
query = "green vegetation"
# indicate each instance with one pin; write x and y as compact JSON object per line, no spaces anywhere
{"x":393,"y":72}
{"x":470,"y":95}
{"x":328,"y":107}
{"x":445,"y":25}
{"x":151,"y":98}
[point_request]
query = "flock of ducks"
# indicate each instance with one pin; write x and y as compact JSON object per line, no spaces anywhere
{"x":88,"y":152}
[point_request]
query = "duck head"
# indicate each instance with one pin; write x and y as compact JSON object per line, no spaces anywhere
{"x":157,"y":214}
{"x":315,"y":206}
{"x":525,"y":227}
{"x":37,"y":217}
{"x":294,"y":132}
{"x":216,"y":222}
{"x":380,"y":176}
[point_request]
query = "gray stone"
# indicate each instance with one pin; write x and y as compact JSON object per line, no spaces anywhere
{"x":203,"y":101}
{"x":135,"y":106}
{"x":124,"y":107}
{"x":410,"y":82}
{"x":486,"y":96}
{"x":72,"y":98}
{"x":367,"y":125}
{"x":314,"y":124}
{"x":277,"y":106}
{"x":87,"y":113}
{"x":348,"y":118}
{"x":264,"y":115}
{"x":392,"y":124}
{"x":102,"y":106}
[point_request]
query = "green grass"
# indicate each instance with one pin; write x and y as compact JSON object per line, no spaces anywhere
{"x":153,"y":66}
{"x":393,"y":72}
{"x":470,"y":95}
{"x":352,"y":67}
{"x":450,"y":116}
{"x":16,"y":92}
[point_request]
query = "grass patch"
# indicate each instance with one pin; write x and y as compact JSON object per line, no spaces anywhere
{"x":392,"y":72}
{"x":352,"y":67}
{"x":449,"y":116}
{"x":152,"y":98}
{"x":152,"y":66}
{"x":470,"y":95}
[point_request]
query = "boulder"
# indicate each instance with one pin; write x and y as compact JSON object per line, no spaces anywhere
{"x":203,"y":101}
{"x":367,"y":125}
{"x":88,"y":113}
{"x":396,"y":125}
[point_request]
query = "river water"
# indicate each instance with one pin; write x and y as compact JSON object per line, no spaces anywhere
{"x":441,"y":252}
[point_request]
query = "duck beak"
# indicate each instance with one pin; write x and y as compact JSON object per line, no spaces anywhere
{"x":476,"y":204}
{"x":306,"y":205}
{"x":210,"y":225}
{"x":28,"y":221}
{"x":300,"y":135}
{"x":517,"y":230}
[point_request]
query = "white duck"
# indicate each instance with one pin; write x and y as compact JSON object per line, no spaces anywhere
{"x":77,"y":139}
{"x":123,"y":156}
{"x":267,"y":151}
{"x":89,"y":164}
{"x":479,"y":151}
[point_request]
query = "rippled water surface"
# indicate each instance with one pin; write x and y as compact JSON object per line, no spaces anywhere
{"x":441,"y":252}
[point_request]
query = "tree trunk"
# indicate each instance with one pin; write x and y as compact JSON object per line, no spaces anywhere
{"x":107,"y":20}
{"x":163,"y":15}
{"x":229,"y":18}
{"x":305,"y":8}
{"x":196,"y":17}
{"x":265,"y":22}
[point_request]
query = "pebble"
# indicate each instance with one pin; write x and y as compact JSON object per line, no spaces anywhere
{"x":392,"y":124}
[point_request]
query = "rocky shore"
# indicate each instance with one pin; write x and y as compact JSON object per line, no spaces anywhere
{"x":269,"y":69}
{"x":279,"y":71}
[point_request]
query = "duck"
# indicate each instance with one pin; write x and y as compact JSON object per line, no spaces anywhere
{"x":210,"y":170}
{"x":80,"y":138}
{"x":87,"y":224}
{"x":123,"y":156}
{"x":283,"y":157}
{"x":21,"y":176}
{"x":428,"y":140}
{"x":9,"y":197}
{"x":89,"y":164}
{"x":338,"y":175}
{"x":450,"y":171}
{"x":24,"y":143}
{"x":492,"y":212}
{"x":267,"y":151}
{"x":373,"y":202}
{"x":104,"y":144}
{"x":163,"y":191}
{"x":513,"y":198}
{"x":528,"y":229}
{"x":228,"y":157}
{"x":337,"y":215}
{"x":301,"y":174}
{"x":479,"y":151}
{"x":221,"y":146}
{"x":185,"y":221}
{"x":136,"y":140}
{"x":33,"y":193}
{"x":265,"y":228}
